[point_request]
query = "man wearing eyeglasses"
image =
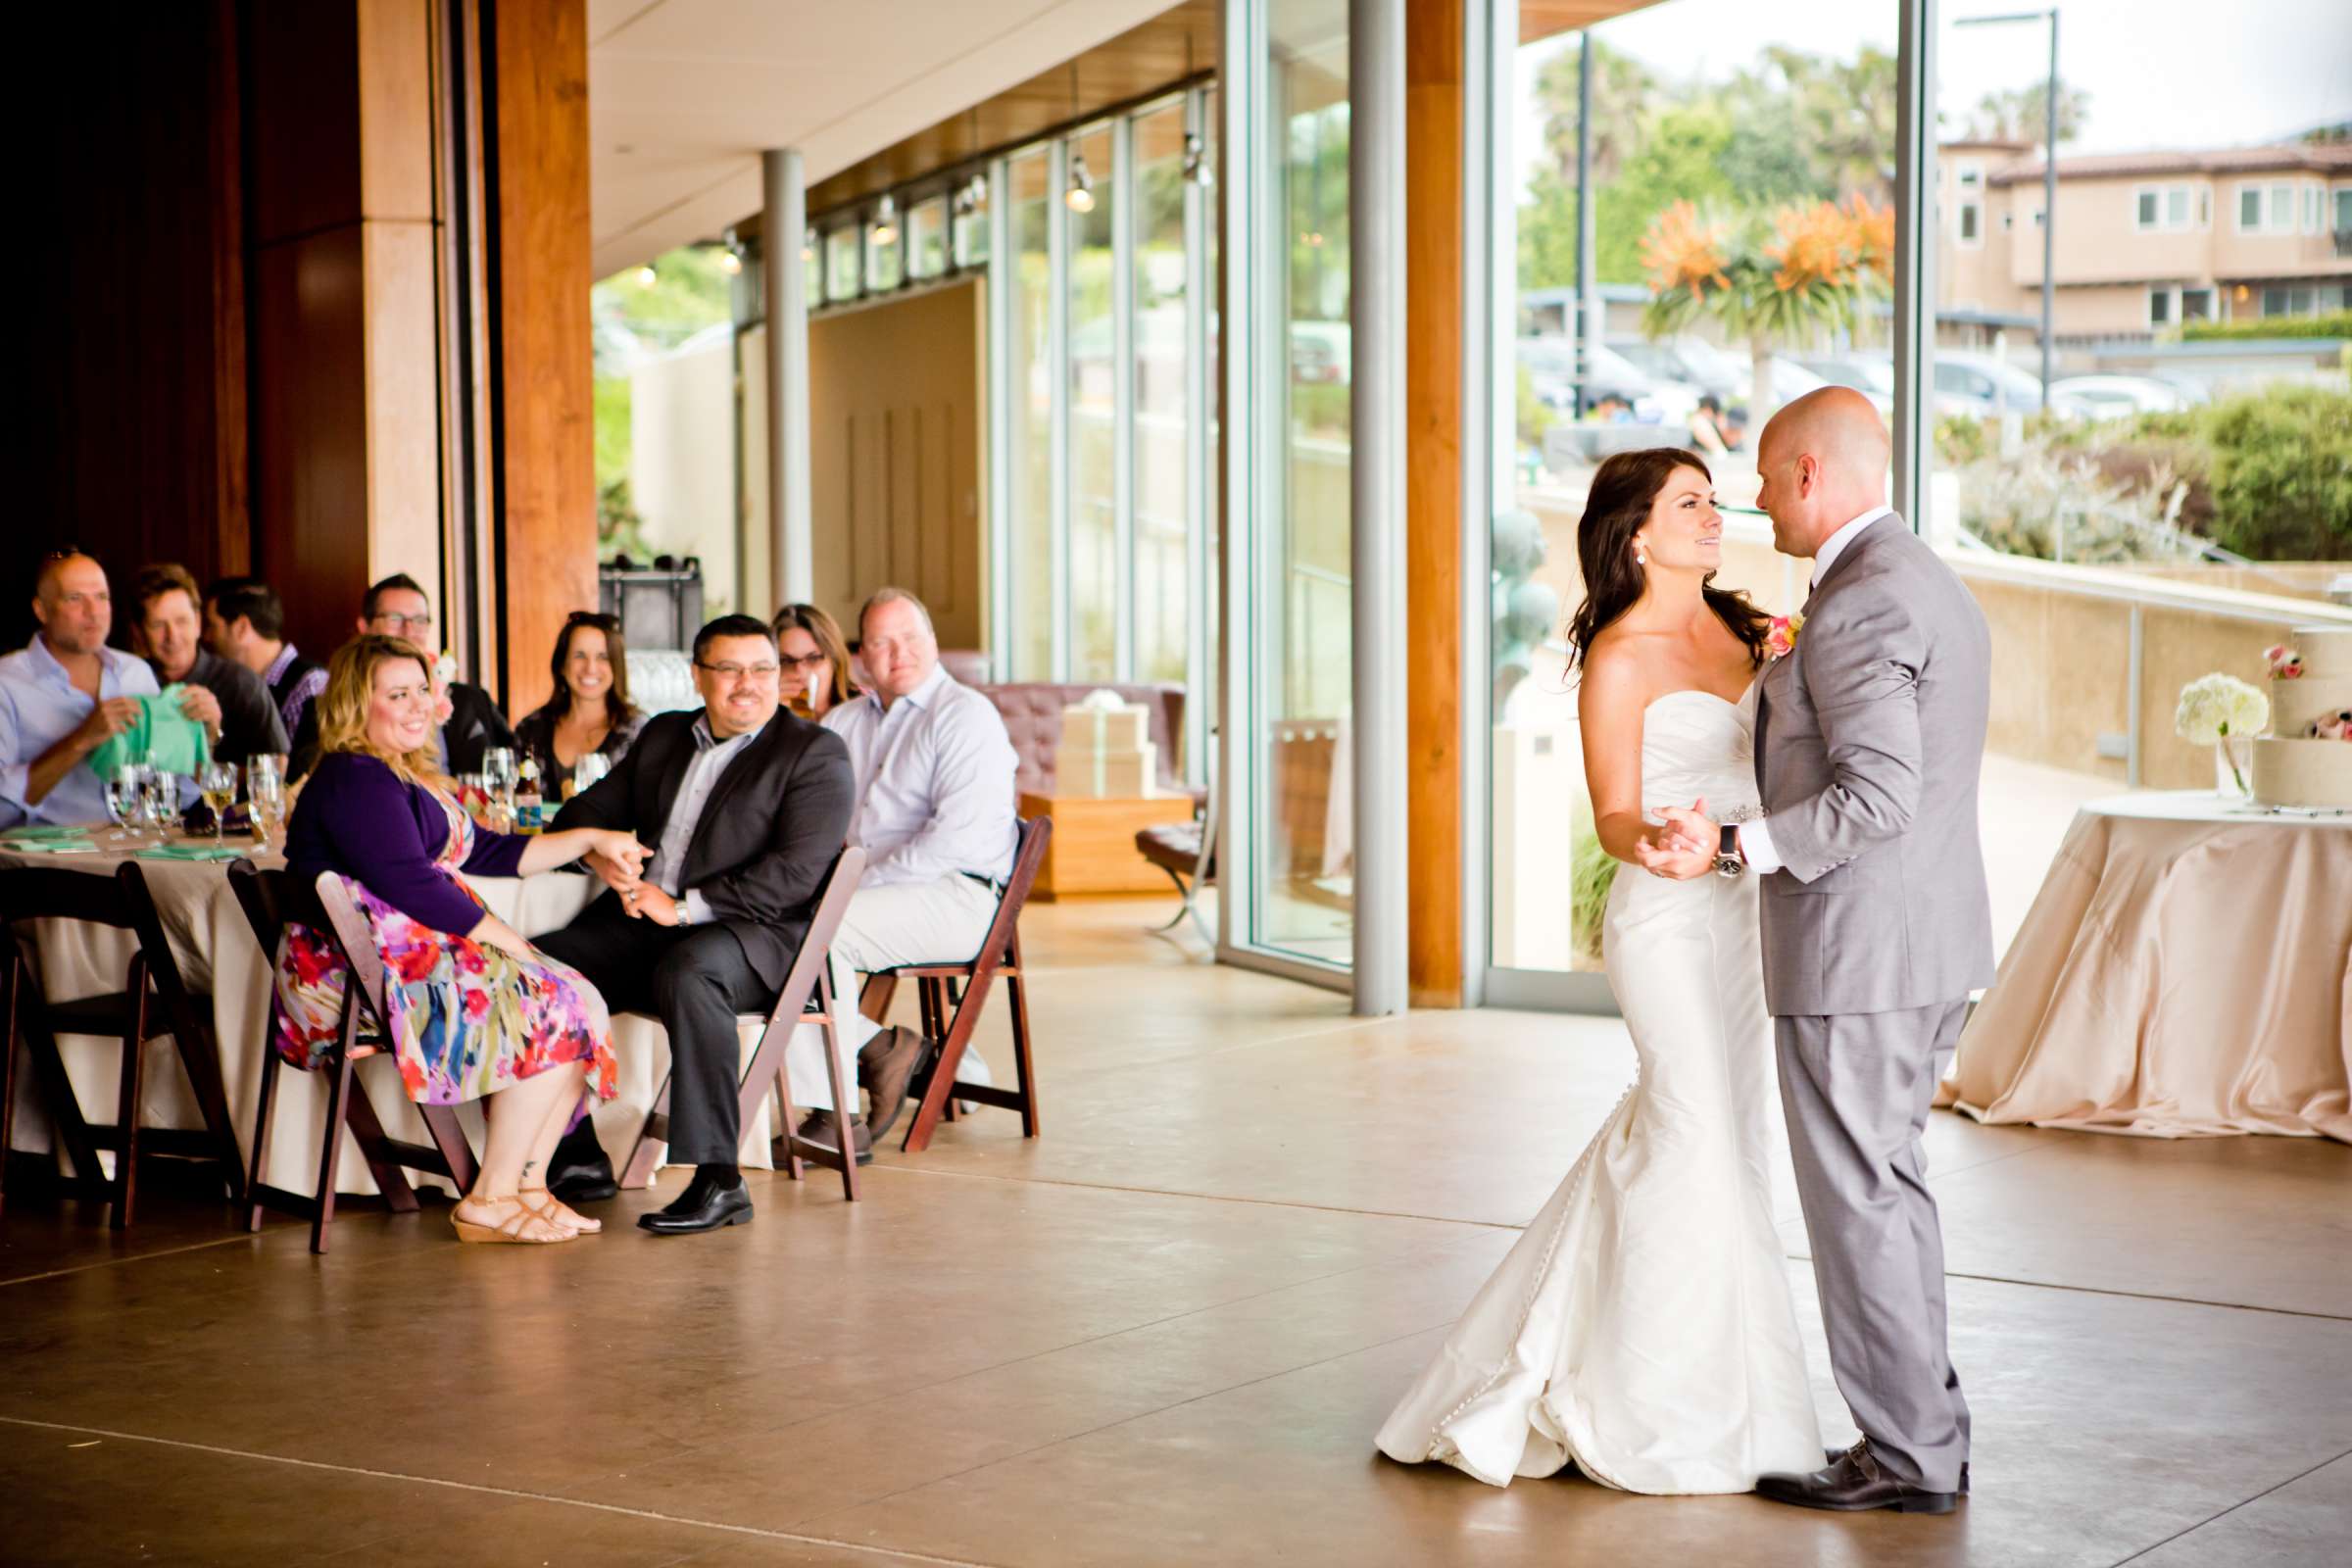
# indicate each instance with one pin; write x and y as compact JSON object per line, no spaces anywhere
{"x":398,"y":608}
{"x":747,"y":806}
{"x":64,"y":695}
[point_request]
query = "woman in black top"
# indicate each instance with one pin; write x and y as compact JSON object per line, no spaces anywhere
{"x":590,"y":711}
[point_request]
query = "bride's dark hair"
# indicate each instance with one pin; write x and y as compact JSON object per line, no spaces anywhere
{"x":1624,"y":489}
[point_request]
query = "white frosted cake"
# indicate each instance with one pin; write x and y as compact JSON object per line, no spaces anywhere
{"x":2306,"y":760}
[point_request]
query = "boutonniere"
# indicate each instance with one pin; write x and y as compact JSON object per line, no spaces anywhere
{"x":1779,"y":638}
{"x":445,"y":667}
{"x":2285,"y":664}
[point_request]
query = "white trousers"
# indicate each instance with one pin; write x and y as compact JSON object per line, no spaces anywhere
{"x":943,"y":921}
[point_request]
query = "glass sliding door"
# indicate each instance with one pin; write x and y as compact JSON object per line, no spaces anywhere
{"x":1028,"y":391}
{"x":1289,"y":472}
{"x":1164,"y":486}
{"x":1090,"y":200}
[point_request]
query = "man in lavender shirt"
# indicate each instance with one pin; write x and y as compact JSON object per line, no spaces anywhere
{"x":935,"y":816}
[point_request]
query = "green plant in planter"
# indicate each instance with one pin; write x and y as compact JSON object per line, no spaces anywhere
{"x":1592,"y":872}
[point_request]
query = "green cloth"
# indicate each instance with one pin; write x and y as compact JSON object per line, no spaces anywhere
{"x":161,"y":736}
{"x":191,"y":851}
{"x":78,"y":845}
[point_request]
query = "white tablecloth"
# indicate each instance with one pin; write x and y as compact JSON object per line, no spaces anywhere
{"x":2186,"y":970}
{"x":217,"y":952}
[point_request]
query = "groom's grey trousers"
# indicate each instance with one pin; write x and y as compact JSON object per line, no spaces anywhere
{"x":1859,"y":1086}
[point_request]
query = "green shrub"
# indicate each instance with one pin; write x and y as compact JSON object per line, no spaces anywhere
{"x":1591,"y":871}
{"x":2279,"y":471}
{"x":2335,"y":324}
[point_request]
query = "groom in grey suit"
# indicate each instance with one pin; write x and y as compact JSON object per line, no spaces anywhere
{"x":1870,"y":736}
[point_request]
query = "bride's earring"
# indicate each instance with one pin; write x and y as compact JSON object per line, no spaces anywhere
{"x":1641,"y":557}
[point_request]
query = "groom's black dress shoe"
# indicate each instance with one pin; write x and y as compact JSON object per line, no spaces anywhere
{"x":1853,"y":1485}
{"x":705,"y":1206}
{"x":579,"y":1171}
{"x":1835,"y":1454}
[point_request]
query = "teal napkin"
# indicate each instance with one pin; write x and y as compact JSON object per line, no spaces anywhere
{"x":34,"y":832}
{"x":191,"y":851}
{"x":78,"y":845}
{"x":161,"y":735}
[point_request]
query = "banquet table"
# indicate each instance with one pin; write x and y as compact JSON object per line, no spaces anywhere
{"x":2185,"y":971}
{"x":217,"y":953}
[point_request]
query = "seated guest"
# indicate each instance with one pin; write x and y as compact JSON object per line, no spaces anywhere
{"x":246,"y":624}
{"x":590,"y":711}
{"x":936,"y":818}
{"x":398,"y":608}
{"x":64,"y":695}
{"x":817,"y":677}
{"x":229,"y":700}
{"x":746,"y":807}
{"x":475,"y":1010}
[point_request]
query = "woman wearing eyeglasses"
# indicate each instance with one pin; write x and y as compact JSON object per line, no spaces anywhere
{"x":590,"y":709}
{"x":817,"y":677}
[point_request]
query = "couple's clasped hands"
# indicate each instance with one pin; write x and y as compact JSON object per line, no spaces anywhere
{"x":1681,"y":845}
{"x":619,"y":861}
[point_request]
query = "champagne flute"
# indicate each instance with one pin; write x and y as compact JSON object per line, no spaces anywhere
{"x":499,"y":775}
{"x":264,"y":803}
{"x":218,"y":782}
{"x":159,"y":800}
{"x":591,"y":766}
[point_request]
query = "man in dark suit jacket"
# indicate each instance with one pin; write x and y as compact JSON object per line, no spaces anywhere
{"x":398,"y":608}
{"x":746,"y":807}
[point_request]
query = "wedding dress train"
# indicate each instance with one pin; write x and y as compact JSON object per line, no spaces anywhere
{"x":1641,"y":1326}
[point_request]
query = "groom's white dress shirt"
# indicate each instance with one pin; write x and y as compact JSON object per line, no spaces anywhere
{"x":1755,"y":838}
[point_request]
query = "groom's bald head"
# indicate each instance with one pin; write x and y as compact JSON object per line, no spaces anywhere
{"x":1823,"y":462}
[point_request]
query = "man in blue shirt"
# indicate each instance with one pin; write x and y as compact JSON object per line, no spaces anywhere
{"x":64,"y":695}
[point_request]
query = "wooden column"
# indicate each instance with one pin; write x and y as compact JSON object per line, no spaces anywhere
{"x":345,"y":377}
{"x":1434,"y":523}
{"x":543,"y":397}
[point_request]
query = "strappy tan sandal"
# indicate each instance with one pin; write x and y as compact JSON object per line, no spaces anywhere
{"x":510,"y":1228}
{"x":562,"y":1212}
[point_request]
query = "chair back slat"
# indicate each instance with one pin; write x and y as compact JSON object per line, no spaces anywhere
{"x":54,"y":892}
{"x":832,"y":908}
{"x":1028,"y":860}
{"x":355,"y":944}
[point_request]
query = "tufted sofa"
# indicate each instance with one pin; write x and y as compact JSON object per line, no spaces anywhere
{"x":1032,"y":713}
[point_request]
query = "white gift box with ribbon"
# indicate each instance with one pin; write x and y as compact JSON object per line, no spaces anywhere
{"x":1107,"y":751}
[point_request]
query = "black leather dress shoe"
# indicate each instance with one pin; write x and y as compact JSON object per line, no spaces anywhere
{"x":892,"y":1071}
{"x":579,"y":1171}
{"x":1853,"y":1485}
{"x":703,"y":1206}
{"x":817,"y":1128}
{"x":1835,"y":1454}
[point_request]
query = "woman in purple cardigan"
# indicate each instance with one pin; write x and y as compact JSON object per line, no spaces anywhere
{"x":475,"y":1010}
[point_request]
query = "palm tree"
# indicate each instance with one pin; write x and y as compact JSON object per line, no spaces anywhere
{"x":1807,"y":269}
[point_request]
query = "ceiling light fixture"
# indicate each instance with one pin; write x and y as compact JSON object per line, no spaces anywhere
{"x":730,"y":259}
{"x":646,"y":276}
{"x":886,"y":220}
{"x":1196,"y":161}
{"x":1080,"y":197}
{"x":809,"y":246}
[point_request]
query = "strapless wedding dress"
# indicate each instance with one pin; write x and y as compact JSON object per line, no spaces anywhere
{"x":1641,"y":1326}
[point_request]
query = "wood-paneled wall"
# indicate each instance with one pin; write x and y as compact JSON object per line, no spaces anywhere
{"x":895,"y":459}
{"x":1435,"y":809}
{"x":537,"y":92}
{"x":130,"y":364}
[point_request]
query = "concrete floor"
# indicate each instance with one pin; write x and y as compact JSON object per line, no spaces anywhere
{"x":1163,"y":1334}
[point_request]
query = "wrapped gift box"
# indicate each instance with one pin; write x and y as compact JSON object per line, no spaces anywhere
{"x":1105,"y":723}
{"x":1128,"y":774}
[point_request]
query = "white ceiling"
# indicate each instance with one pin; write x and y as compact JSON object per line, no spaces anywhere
{"x":685,"y":94}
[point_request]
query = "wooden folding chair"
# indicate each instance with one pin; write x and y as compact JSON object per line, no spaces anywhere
{"x":137,"y":1013}
{"x":807,"y":996}
{"x":272,"y":901}
{"x":950,"y":996}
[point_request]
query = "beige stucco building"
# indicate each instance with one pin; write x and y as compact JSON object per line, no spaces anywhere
{"x":2147,"y":240}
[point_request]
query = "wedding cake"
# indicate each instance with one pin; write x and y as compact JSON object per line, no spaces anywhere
{"x":2306,"y":760}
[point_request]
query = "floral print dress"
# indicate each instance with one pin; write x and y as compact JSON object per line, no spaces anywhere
{"x":467,"y":1019}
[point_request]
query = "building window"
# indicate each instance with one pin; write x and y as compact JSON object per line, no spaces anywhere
{"x":2288,"y":300}
{"x":2160,"y":307}
{"x":845,"y":267}
{"x":1970,"y":221}
{"x":2283,"y":209}
{"x":2249,"y":209}
{"x":2343,"y":209}
{"x":2315,"y":201}
{"x":2160,"y":208}
{"x":1968,"y":217}
{"x":2204,"y":205}
{"x":2197,"y":305}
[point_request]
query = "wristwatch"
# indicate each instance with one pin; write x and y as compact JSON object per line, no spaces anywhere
{"x":1729,"y":861}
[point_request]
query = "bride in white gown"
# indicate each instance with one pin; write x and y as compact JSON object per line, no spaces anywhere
{"x":1641,"y":1326}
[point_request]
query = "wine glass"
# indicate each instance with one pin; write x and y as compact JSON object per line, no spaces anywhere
{"x":159,"y":800}
{"x":499,"y":775}
{"x":217,"y":780}
{"x":265,"y":764}
{"x":585,"y":772}
{"x":124,"y":788}
{"x":264,"y":802}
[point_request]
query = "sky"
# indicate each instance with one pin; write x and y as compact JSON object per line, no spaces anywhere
{"x":2161,"y":73}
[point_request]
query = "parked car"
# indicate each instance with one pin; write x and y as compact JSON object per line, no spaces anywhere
{"x":1549,"y":361}
{"x":1861,"y":370}
{"x":1693,"y":360}
{"x":1979,"y":386}
{"x":2114,"y":397}
{"x":1321,"y":353}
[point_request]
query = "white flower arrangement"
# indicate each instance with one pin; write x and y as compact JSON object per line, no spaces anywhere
{"x":2213,"y":708}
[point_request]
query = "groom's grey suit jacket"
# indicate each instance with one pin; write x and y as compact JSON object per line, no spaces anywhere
{"x":1870,"y":736}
